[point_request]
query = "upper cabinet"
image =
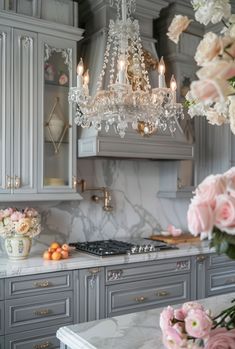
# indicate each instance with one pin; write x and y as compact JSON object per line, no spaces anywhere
{"x":161,"y":145}
{"x":38,"y":135}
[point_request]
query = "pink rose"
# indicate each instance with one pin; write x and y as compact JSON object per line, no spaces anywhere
{"x":177,"y":26}
{"x":198,"y":324}
{"x":173,"y":338}
{"x":191,"y":305}
{"x":200,"y":219}
{"x":211,"y":90}
{"x":8,"y":212}
{"x":230,"y":177}
{"x":221,"y":338}
{"x":166,"y":318}
{"x":16,"y":216}
{"x":225,"y":213}
{"x":221,"y":69}
{"x":179,"y":314}
{"x":30,"y":212}
{"x":207,"y":191}
{"x":173,"y":230}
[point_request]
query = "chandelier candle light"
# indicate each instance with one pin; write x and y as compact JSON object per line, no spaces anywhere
{"x":129,"y":97}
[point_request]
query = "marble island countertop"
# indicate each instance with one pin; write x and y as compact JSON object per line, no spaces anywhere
{"x":78,"y":260}
{"x":132,"y":331}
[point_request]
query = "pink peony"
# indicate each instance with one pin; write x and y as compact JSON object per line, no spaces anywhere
{"x":198,"y":324}
{"x":177,"y":26}
{"x":225,"y":213}
{"x":221,"y":69}
{"x":16,"y":216}
{"x":173,"y":338}
{"x":179,"y":314}
{"x":166,"y":318}
{"x":191,"y":305}
{"x":8,"y":212}
{"x":208,"y":49}
{"x":30,"y":212}
{"x":221,"y":338}
{"x":207,"y":191}
{"x":200,"y":219}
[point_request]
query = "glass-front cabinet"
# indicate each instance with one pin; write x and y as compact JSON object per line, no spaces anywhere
{"x":56,"y":127}
{"x":38,"y":159}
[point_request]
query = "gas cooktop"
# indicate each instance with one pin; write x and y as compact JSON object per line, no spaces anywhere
{"x":115,"y":247}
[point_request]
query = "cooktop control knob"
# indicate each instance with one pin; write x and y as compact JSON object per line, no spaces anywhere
{"x":134,"y":249}
{"x":151,"y":248}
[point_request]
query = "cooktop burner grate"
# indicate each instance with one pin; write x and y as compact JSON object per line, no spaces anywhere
{"x":114,"y":247}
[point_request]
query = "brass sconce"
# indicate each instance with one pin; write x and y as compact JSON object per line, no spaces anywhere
{"x":106,"y":197}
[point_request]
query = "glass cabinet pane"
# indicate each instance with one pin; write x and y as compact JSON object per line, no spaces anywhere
{"x":57,"y":148}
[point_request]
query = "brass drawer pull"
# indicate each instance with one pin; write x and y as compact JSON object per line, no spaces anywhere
{"x":41,"y":284}
{"x":162,"y":294}
{"x":42,"y":346}
{"x":42,"y":312}
{"x":140,"y":299}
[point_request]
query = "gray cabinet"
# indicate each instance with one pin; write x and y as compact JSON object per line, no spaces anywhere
{"x":214,"y":275}
{"x":18,"y":103}
{"x":1,"y":318}
{"x":1,"y":289}
{"x":38,"y":284}
{"x":2,"y":342}
{"x":92,"y":294}
{"x":141,"y":286}
{"x":37,"y":339}
{"x":26,"y":57}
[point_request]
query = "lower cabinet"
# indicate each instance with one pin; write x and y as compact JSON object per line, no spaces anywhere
{"x":91,"y":294}
{"x":140,"y":286}
{"x":38,"y":339}
{"x":1,"y":318}
{"x":1,"y":342}
{"x":214,"y":275}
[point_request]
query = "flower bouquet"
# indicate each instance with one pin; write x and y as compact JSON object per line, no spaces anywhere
{"x":213,"y":95}
{"x":18,"y":228}
{"x":193,"y":327}
{"x":211,"y":213}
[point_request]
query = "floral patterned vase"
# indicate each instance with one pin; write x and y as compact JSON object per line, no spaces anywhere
{"x":18,"y":246}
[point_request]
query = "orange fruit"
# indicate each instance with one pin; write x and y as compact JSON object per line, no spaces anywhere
{"x":47,"y":255}
{"x":51,"y":249}
{"x":54,"y":245}
{"x":65,"y":247}
{"x":56,"y":256}
{"x":64,"y":254}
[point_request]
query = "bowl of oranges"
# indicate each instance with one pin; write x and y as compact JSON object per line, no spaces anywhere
{"x":56,"y":252}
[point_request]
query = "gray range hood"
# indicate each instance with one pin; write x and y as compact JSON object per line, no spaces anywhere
{"x":91,"y":143}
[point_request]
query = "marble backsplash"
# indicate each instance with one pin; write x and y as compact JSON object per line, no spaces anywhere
{"x":137,"y":211}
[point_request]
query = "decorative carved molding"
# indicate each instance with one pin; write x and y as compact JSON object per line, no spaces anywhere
{"x":183,"y":265}
{"x":26,"y":41}
{"x":66,"y":54}
{"x":115,"y":275}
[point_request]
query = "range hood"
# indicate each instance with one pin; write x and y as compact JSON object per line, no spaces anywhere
{"x":92,"y":143}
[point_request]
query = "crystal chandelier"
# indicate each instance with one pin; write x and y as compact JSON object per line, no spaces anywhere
{"x":129,"y":97}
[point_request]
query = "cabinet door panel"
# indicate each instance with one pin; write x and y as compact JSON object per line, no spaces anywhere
{"x":1,"y":342}
{"x":220,"y":281}
{"x":5,"y":108}
{"x":146,"y":294}
{"x":25,"y":111}
{"x":57,"y":130}
{"x":1,"y":318}
{"x":38,"y":311}
{"x":37,"y":339}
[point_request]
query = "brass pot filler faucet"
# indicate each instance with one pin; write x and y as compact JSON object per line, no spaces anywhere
{"x":106,"y":197}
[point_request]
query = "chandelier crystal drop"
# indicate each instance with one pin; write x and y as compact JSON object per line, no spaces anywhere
{"x":129,"y":97}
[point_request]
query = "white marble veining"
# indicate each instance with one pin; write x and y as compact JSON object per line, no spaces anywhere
{"x":137,"y":209}
{"x":36,"y":265}
{"x":132,"y":331}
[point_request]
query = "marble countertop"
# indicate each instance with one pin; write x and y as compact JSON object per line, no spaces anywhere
{"x":78,"y":260}
{"x":132,"y":331}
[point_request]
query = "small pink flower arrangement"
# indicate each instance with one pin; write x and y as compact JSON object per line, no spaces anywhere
{"x":14,"y":222}
{"x":192,"y":327}
{"x":211,"y":213}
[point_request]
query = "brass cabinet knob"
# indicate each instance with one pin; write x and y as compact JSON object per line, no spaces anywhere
{"x":162,"y":294}
{"x":140,"y":299}
{"x":43,"y":345}
{"x":17,"y":182}
{"x":41,"y":284}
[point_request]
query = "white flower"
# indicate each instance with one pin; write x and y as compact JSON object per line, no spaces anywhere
{"x":177,"y":26}
{"x":208,"y":49}
{"x":214,"y":118}
{"x":211,"y":10}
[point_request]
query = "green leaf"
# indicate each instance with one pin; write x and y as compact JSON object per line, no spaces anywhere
{"x":231,"y":252}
